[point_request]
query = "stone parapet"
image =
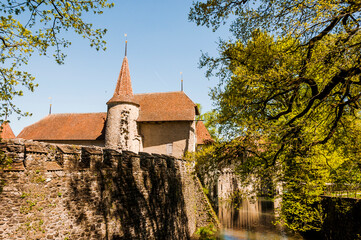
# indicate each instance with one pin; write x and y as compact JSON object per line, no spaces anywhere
{"x":55,"y":191}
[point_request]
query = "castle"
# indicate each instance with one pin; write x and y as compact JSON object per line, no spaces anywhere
{"x":162,"y":123}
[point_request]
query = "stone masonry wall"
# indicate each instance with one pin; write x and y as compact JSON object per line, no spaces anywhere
{"x":72,"y":192}
{"x":121,"y":127}
{"x":228,"y":183}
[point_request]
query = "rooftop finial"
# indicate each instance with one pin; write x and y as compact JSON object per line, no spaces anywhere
{"x":126,"y":42}
{"x":181,"y":81}
{"x":50,"y":105}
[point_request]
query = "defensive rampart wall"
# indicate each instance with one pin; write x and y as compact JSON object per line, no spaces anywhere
{"x":55,"y":191}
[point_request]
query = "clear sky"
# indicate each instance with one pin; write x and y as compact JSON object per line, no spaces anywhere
{"x":161,"y":44}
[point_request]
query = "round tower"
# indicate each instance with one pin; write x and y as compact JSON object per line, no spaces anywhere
{"x":121,"y":132}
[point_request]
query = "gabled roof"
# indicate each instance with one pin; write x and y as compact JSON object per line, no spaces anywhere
{"x":203,"y":136}
{"x":154,"y":107}
{"x":67,"y":126}
{"x":167,"y":106}
{"x":6,"y":131}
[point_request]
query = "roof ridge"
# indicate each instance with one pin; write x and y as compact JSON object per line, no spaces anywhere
{"x":158,"y":93}
{"x":48,"y":116}
{"x":75,"y":126}
{"x":73,"y":113}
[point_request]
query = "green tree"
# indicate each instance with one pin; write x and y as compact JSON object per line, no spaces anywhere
{"x":35,"y":27}
{"x":323,"y":37}
{"x":293,"y":95}
{"x":210,"y":121}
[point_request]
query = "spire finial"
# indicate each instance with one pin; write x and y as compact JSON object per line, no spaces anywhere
{"x":50,"y":105}
{"x":126,"y":43}
{"x":181,"y":81}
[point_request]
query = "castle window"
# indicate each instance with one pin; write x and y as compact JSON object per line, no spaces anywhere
{"x":169,"y":148}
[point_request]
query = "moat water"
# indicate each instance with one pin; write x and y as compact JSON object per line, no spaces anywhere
{"x":252,"y":220}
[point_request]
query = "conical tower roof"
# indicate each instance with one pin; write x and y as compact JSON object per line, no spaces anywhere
{"x":123,"y":90}
{"x":6,"y":131}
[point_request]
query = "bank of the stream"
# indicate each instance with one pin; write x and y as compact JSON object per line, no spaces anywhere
{"x":255,"y":220}
{"x":252,"y":220}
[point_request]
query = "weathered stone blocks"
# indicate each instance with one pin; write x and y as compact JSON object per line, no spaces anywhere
{"x":72,"y":192}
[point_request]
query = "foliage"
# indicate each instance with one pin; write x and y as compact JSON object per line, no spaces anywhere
{"x":211,"y":161}
{"x":207,"y":233}
{"x":290,"y":89}
{"x":310,"y":69}
{"x":236,"y":199}
{"x":5,"y":162}
{"x":304,"y":181}
{"x":213,"y":158}
{"x":30,"y":27}
{"x":210,"y":122}
{"x":348,"y":172}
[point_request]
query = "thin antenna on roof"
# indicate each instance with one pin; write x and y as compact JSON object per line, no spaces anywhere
{"x":126,"y":43}
{"x":181,"y":81}
{"x":50,"y":106}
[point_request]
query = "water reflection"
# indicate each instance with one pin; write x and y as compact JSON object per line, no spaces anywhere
{"x":252,"y":220}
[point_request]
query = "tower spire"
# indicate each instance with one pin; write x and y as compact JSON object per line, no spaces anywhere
{"x":121,"y":131}
{"x":123,"y":90}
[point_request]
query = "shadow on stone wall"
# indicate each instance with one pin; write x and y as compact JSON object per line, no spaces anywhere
{"x":56,"y":191}
{"x":142,"y":199}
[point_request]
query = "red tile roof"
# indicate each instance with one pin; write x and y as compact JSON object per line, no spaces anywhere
{"x":154,"y":107}
{"x":123,"y":90}
{"x":67,"y":126}
{"x":6,"y":131}
{"x":203,"y":136}
{"x":167,"y":106}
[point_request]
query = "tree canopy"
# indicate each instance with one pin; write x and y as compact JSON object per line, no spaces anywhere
{"x":35,"y":27}
{"x":310,"y":64}
{"x":292,"y":71}
{"x":289,"y":92}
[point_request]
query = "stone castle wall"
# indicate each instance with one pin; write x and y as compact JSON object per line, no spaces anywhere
{"x":72,"y":192}
{"x":226,"y":183}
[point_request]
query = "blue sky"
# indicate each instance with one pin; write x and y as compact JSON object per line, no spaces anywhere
{"x":161,"y":44}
